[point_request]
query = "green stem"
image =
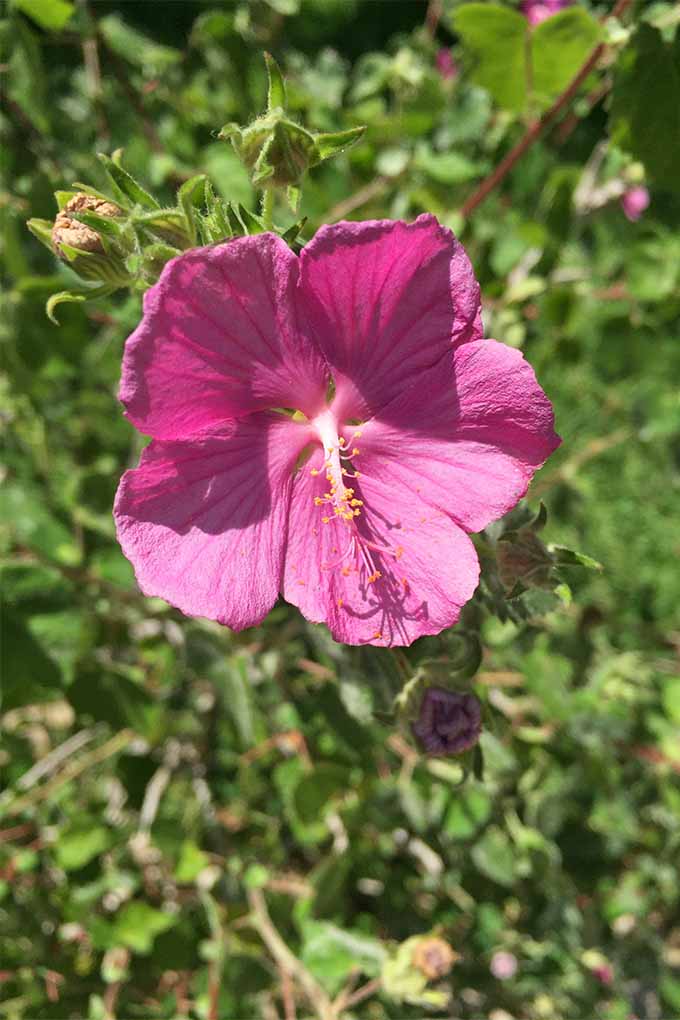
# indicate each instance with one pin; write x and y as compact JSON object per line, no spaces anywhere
{"x":267,"y":209}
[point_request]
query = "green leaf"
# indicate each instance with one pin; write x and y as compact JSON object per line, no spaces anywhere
{"x":559,"y":46}
{"x":315,"y":789}
{"x":51,"y":15}
{"x":467,"y":813}
{"x":645,"y":110}
{"x":192,"y":861}
{"x":191,"y":196}
{"x":138,"y":924}
{"x":331,"y":954}
{"x":495,"y":38}
{"x":517,"y":64}
{"x":331,"y":143}
{"x":31,"y":523}
{"x":135,"y":47}
{"x":671,"y":699}
{"x":72,"y":297}
{"x":564,"y":557}
{"x":240,"y":703}
{"x":276,"y":93}
{"x":79,"y":844}
{"x":42,"y":229}
{"x":26,"y":79}
{"x":28,"y":673}
{"x":125,"y":184}
{"x":493,"y":855}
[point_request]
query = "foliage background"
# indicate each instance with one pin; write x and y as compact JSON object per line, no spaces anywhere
{"x":160,"y":774}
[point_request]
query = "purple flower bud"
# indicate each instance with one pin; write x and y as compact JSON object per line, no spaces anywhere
{"x":634,"y":202}
{"x":446,"y":65}
{"x":448,"y":722}
{"x":503,"y":965}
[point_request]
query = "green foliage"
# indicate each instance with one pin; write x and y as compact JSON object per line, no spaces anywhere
{"x":646,"y":105}
{"x":158,"y":774}
{"x":522,"y":66}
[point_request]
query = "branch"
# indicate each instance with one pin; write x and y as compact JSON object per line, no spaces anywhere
{"x":535,"y":130}
{"x":285,"y":959}
{"x":72,"y":771}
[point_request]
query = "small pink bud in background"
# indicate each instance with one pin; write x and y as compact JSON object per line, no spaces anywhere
{"x":446,"y":65}
{"x":634,"y":202}
{"x":536,"y":11}
{"x":604,"y":974}
{"x":503,"y":965}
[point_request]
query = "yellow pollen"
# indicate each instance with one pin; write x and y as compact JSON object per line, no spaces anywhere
{"x":356,"y":502}
{"x":377,"y":635}
{"x":357,"y":435}
{"x":325,"y":520}
{"x":314,"y":471}
{"x":356,"y":452}
{"x":346,"y":571}
{"x":341,"y":442}
{"x":357,"y":474}
{"x":340,"y":602}
{"x":398,"y":552}
{"x":318,"y":501}
{"x":375,"y":576}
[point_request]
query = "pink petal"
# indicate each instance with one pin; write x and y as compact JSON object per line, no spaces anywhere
{"x":385,"y":301}
{"x":429,"y":567}
{"x":204,"y":522}
{"x":469,"y":440}
{"x":220,"y":338}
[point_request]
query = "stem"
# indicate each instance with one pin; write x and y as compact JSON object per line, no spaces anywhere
{"x":285,"y":959}
{"x":72,"y":771}
{"x":268,"y":208}
{"x":536,"y":129}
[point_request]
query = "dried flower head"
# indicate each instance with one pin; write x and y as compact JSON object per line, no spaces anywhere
{"x":434,"y":957}
{"x":448,"y":722}
{"x":67,"y":230}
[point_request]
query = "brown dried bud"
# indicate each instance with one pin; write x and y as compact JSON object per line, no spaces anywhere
{"x":434,"y":958}
{"x":67,"y":230}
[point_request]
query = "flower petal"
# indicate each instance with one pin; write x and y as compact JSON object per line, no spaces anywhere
{"x":204,"y":522}
{"x":467,"y":441}
{"x":427,"y":565}
{"x":220,"y":338}
{"x":385,"y":300}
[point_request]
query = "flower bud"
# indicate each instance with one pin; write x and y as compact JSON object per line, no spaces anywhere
{"x":433,"y":957}
{"x":67,"y":230}
{"x":93,"y":247}
{"x":524,"y":560}
{"x":448,"y":722}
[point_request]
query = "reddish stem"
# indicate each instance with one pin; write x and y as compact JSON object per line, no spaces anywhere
{"x":536,"y":129}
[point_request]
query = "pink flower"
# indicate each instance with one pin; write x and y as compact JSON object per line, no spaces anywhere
{"x":503,"y":965}
{"x":411,"y":431}
{"x":634,"y":202}
{"x":603,"y":973}
{"x":446,"y":65}
{"x":536,"y":11}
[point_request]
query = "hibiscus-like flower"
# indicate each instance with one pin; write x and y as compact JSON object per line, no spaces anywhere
{"x":327,"y":427}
